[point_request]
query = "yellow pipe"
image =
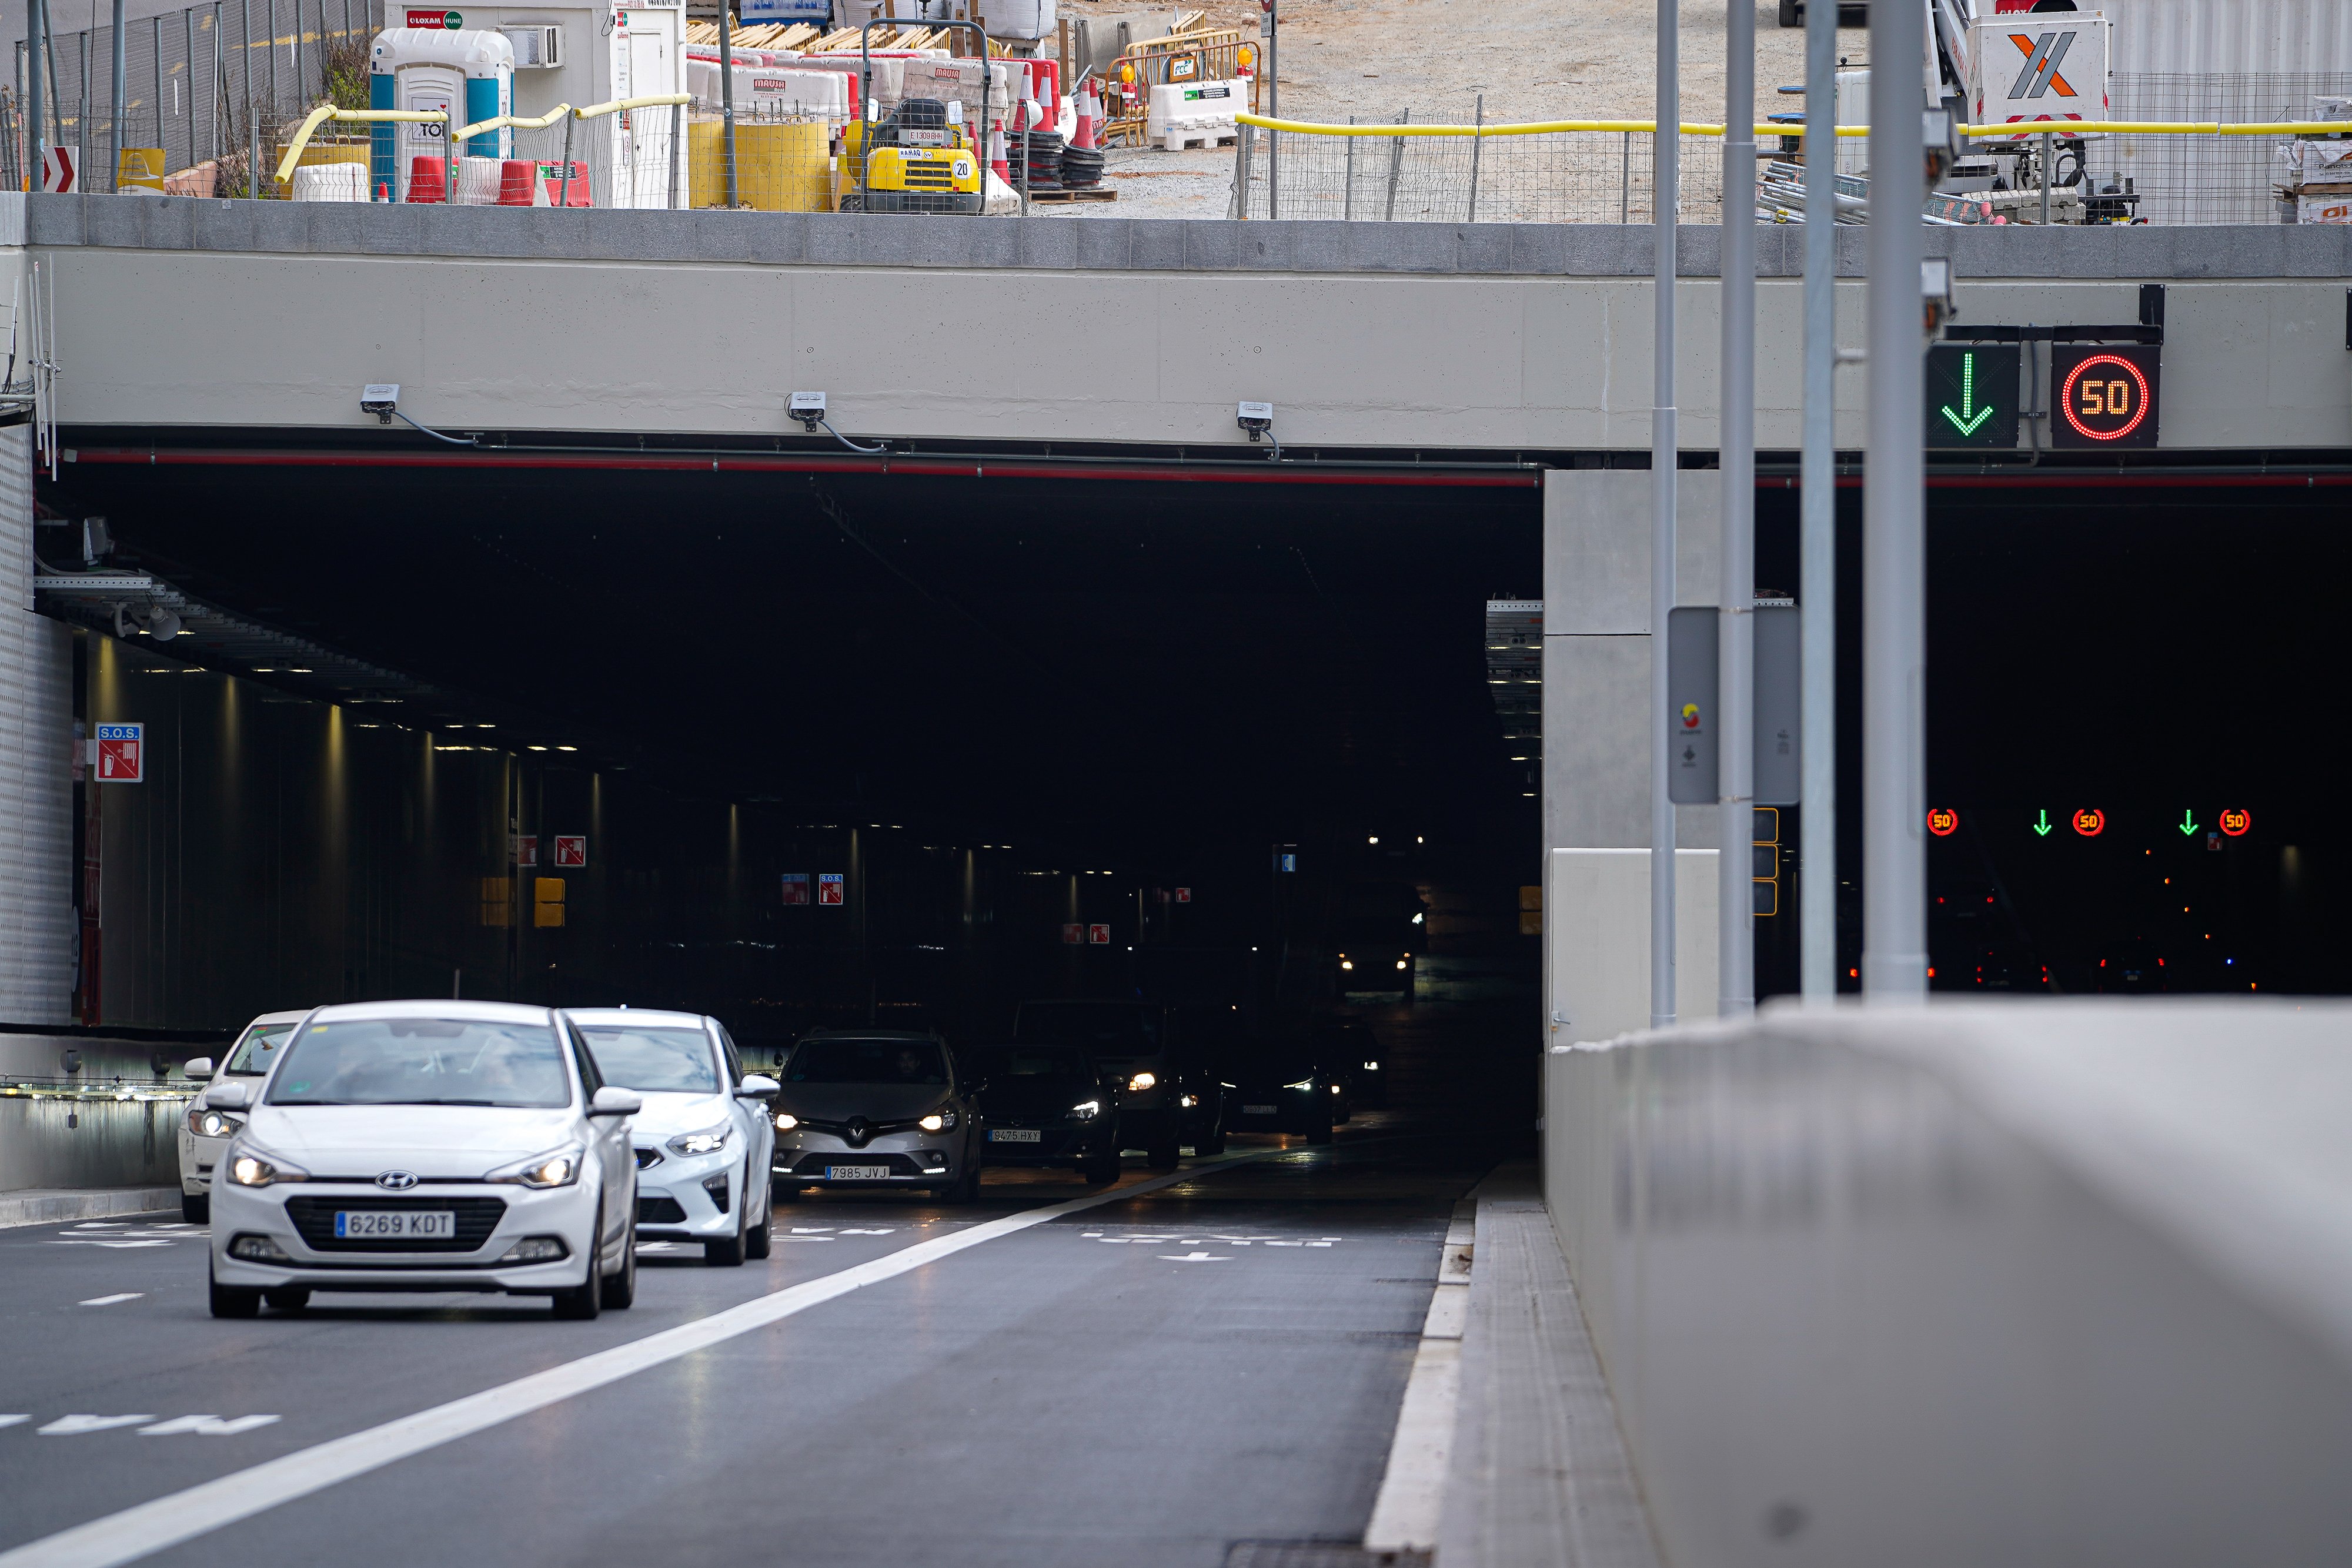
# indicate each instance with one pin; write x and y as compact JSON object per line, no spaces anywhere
{"x":327,"y":111}
{"x":2028,"y":127}
{"x":651,"y":101}
{"x":504,"y":121}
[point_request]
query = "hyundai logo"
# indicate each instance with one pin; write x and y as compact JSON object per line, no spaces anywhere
{"x":396,"y":1181}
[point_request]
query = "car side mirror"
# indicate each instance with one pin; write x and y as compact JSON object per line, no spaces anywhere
{"x":199,"y":1067}
{"x":756,"y":1087}
{"x":228,"y":1097}
{"x":610,"y":1101}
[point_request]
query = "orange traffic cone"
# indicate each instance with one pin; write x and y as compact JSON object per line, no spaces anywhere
{"x":996,"y":164}
{"x":1088,"y":107}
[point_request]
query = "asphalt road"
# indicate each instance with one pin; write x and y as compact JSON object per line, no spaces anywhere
{"x":1144,"y":1381}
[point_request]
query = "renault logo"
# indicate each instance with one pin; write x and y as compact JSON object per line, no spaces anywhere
{"x":396,"y":1181}
{"x":856,"y":1132}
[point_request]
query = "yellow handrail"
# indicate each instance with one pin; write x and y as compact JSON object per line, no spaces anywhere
{"x":2023,"y":128}
{"x":651,"y":101}
{"x":327,"y":111}
{"x":502,"y":122}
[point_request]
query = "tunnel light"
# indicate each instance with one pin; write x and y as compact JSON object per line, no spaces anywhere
{"x":534,"y":749}
{"x":1373,"y":839}
{"x":1419,"y":839}
{"x":567,"y":748}
{"x":486,"y":727}
{"x":296,"y":670}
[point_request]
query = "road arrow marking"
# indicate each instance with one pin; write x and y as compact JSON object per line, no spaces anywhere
{"x":2043,"y":826}
{"x":205,"y":1426}
{"x":74,"y":1426}
{"x":1191,"y":1257}
{"x":109,"y":1300}
{"x":2187,"y":823}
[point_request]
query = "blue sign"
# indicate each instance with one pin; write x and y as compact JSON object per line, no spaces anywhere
{"x":817,"y":11}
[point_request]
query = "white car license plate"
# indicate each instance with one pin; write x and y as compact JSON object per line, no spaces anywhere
{"x":1257,"y":1109}
{"x":391,"y":1224}
{"x":1013,"y":1135}
{"x":855,"y":1172}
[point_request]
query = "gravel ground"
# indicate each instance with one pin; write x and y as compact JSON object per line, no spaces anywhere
{"x":1540,"y":59}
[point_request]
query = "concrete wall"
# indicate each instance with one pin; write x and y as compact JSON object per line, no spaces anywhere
{"x":1421,"y":335}
{"x":2035,"y":1284}
{"x":77,"y":1142}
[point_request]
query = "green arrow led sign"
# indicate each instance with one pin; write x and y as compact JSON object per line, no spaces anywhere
{"x":1972,"y":395}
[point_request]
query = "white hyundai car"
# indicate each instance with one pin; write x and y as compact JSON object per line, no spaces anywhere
{"x":703,"y":1139}
{"x":428,"y":1145}
{"x":205,"y":1132}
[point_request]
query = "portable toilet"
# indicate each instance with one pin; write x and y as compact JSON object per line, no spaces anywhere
{"x":429,"y":70}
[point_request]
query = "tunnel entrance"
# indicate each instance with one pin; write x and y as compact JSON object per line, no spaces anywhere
{"x":801,"y":749}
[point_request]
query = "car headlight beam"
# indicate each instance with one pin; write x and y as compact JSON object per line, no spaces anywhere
{"x":1302,"y":1083}
{"x":250,"y":1167}
{"x":1141,"y":1082}
{"x":1086,"y":1110}
{"x":786,"y":1121}
{"x":708,"y":1141}
{"x":557,"y":1167}
{"x":206,"y":1123}
{"x":939,"y":1121}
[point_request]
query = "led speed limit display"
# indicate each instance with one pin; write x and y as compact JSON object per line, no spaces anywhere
{"x":2103,"y":397}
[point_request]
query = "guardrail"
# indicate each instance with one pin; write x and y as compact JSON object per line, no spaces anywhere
{"x":2181,"y":172}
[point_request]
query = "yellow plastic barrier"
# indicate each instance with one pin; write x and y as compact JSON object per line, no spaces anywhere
{"x":779,"y":168}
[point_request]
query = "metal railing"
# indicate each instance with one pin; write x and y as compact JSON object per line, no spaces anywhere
{"x":1598,"y":171}
{"x":627,"y":155}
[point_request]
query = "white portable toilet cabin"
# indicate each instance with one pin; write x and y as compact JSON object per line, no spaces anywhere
{"x":430,"y":69}
{"x":590,"y":54}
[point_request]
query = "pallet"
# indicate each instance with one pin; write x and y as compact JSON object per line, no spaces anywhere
{"x":1079,"y":193}
{"x":1179,"y":140}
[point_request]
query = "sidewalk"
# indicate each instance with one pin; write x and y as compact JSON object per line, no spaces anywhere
{"x":50,"y":1206}
{"x":1539,"y":1476}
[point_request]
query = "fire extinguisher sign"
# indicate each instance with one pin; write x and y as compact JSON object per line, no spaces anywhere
{"x":122,"y":757}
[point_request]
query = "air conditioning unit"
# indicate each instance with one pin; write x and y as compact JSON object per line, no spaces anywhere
{"x":537,"y":47}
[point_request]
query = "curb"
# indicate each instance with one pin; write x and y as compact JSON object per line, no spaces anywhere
{"x":50,"y":1206}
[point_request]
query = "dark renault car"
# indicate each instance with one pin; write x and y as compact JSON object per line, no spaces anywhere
{"x":1047,"y":1106}
{"x":873,"y":1108}
{"x":1167,"y":1096}
{"x":1279,"y":1085}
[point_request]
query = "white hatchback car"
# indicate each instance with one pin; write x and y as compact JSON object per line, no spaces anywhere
{"x":703,"y":1139}
{"x":426,"y":1146}
{"x":204,"y":1131}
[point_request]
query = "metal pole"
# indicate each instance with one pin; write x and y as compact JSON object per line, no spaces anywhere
{"x":1396,"y":166}
{"x":36,"y":49}
{"x":563,"y":191}
{"x":218,"y":96}
{"x":1272,"y":108}
{"x":1347,"y":196}
{"x":271,"y":48}
{"x":727,"y":93}
{"x":252,"y":120}
{"x":1894,"y":661}
{"x":1625,"y":178}
{"x":1666,"y":186}
{"x":1817,"y":893}
{"x":155,"y":41}
{"x":1477,"y":140}
{"x":2046,"y":174}
{"x":1735,"y":644}
{"x":677,"y":155}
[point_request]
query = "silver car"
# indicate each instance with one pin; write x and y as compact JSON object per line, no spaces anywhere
{"x":205,"y":1132}
{"x":702,"y":1137}
{"x":872,"y":1108}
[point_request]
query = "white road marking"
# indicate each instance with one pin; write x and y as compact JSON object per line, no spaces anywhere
{"x":103,"y":1224}
{"x":884,"y":1231}
{"x":657,"y":1247}
{"x":75,"y":1425}
{"x":101,"y":1241}
{"x":811,"y":1229}
{"x":13,"y":1420}
{"x":1192,"y":1258}
{"x":1412,"y":1490}
{"x":164,"y":1521}
{"x":205,"y":1426}
{"x":109,"y":1300}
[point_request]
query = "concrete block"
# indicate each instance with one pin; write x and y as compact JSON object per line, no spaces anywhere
{"x":781,"y":239}
{"x":2313,"y":250}
{"x":1156,"y":246}
{"x":1106,"y":243}
{"x":1538,"y":248}
{"x":1044,"y":244}
{"x":111,"y":220}
{"x":1596,"y":551}
{"x":1698,"y":251}
{"x":49,"y":219}
{"x":722,"y":236}
{"x":1220,"y":244}
{"x":280,"y":227}
{"x":1597,"y":939}
{"x":13,"y":217}
{"x":1606,"y":250}
{"x":1482,"y":248}
{"x":1323,"y":246}
{"x":638,"y":234}
{"x":832,"y":239}
{"x":171,"y":224}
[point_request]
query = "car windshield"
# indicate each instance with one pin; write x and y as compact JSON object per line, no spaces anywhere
{"x":675,"y":1060}
{"x":1278,"y":1064}
{"x":423,"y":1062}
{"x":868,"y":1062}
{"x":258,"y":1049}
{"x":1101,"y":1028}
{"x":1038,"y":1063}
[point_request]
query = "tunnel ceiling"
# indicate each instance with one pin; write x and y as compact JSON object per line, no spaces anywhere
{"x":1114,"y":667}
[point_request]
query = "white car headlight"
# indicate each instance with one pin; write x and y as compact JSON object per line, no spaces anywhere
{"x":1302,"y":1083}
{"x":557,"y":1167}
{"x":205,"y":1122}
{"x":250,"y":1167}
{"x":1141,"y":1082}
{"x":708,"y":1141}
{"x":786,"y":1121}
{"x":939,"y":1121}
{"x":1086,"y":1110}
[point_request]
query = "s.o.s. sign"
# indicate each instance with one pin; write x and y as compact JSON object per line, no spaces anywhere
{"x":2103,"y":397}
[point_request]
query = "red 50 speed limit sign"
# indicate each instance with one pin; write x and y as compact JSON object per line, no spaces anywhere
{"x":2103,"y":397}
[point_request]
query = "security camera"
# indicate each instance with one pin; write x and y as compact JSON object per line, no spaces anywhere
{"x":808,"y":407}
{"x":1256,"y":418}
{"x":1940,"y":140}
{"x":1935,"y":306}
{"x":380,"y":399}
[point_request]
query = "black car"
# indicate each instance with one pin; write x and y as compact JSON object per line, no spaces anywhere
{"x":1047,"y":1106}
{"x":1351,"y":1049}
{"x":1167,"y":1095}
{"x":1280,"y":1087}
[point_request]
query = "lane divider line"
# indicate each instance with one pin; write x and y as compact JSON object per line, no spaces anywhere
{"x":1413,"y":1492}
{"x":150,"y":1527}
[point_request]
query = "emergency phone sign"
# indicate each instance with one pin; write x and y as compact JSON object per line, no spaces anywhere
{"x":121,"y":753}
